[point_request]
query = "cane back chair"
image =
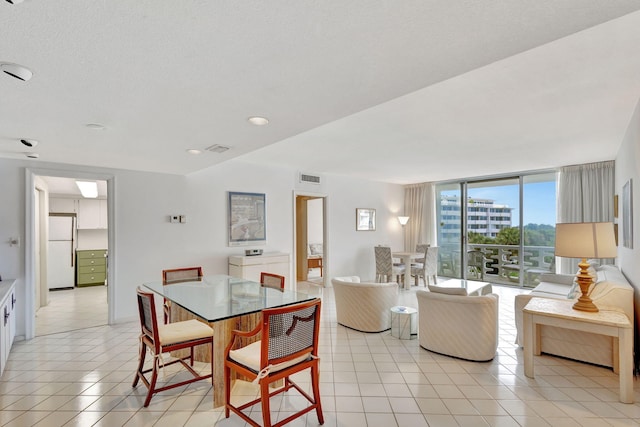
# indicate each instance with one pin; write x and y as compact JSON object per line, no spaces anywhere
{"x":288,"y":344}
{"x":177,"y":275}
{"x":270,"y":280}
{"x":166,"y":338}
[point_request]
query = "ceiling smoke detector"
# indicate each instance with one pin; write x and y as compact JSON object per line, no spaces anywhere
{"x":16,"y":71}
{"x":29,"y":142}
{"x":217,"y":148}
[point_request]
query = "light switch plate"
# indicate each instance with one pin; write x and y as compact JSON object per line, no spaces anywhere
{"x":183,"y":219}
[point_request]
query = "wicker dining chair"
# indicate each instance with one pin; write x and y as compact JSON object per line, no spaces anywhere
{"x":429,"y":268}
{"x":177,"y":275}
{"x":476,"y":263}
{"x":421,"y":248}
{"x":271,"y":280}
{"x":288,"y":344}
{"x":161,"y":339}
{"x":385,"y":269}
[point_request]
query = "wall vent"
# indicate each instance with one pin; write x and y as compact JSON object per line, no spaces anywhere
{"x":217,"y":148}
{"x":308,"y":178}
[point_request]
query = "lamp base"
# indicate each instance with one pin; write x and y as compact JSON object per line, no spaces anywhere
{"x":584,"y":279}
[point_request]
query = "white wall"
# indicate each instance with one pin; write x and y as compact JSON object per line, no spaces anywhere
{"x":315,"y":232}
{"x":628,"y":166}
{"x":93,"y":239}
{"x":146,"y":242}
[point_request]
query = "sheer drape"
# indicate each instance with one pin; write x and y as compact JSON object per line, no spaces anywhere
{"x":419,"y":206}
{"x":585,"y":194}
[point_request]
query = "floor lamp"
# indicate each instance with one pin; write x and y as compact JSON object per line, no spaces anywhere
{"x":585,"y":240}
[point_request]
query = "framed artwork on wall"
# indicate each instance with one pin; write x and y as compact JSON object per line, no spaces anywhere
{"x":627,"y":215}
{"x":246,"y":218}
{"x":365,"y":219}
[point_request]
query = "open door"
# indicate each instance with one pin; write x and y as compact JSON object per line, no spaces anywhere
{"x":310,"y":251}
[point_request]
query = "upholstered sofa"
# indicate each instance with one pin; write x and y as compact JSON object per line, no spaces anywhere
{"x":454,"y":324}
{"x":611,"y":291}
{"x":364,"y":306}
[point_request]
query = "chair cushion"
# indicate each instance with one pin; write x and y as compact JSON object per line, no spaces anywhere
{"x":315,"y":249}
{"x":249,"y":356}
{"x":448,"y":291}
{"x":187,"y":330}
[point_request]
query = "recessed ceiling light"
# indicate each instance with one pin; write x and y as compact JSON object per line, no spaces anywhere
{"x":16,"y":71}
{"x":89,"y":189}
{"x":32,"y":155}
{"x":258,"y":121}
{"x":14,"y":1}
{"x":193,"y":151}
{"x":29,"y":142}
{"x":95,"y":126}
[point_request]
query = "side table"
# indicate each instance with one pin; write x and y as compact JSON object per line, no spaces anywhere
{"x":559,"y":313}
{"x":404,"y":322}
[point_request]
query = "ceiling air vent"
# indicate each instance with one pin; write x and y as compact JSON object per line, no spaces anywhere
{"x":217,"y":148}
{"x":308,"y":178}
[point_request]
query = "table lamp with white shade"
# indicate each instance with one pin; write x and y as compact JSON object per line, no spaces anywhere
{"x":585,"y":240}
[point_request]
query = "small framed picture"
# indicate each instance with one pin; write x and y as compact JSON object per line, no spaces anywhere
{"x":365,"y":219}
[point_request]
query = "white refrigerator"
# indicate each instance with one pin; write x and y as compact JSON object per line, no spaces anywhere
{"x":61,"y":251}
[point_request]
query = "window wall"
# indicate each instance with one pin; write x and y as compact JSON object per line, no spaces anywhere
{"x":498,"y":230}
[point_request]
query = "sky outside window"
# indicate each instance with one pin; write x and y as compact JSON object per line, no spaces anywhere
{"x":539,"y":200}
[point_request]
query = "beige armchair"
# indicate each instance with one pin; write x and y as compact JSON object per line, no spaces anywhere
{"x":364,"y":306}
{"x":458,"y":325}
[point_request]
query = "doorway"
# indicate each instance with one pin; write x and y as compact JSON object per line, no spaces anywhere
{"x":66,"y":295}
{"x":310,"y":232}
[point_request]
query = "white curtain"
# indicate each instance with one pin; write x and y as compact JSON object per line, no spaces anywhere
{"x":419,"y":206}
{"x":585,"y":194}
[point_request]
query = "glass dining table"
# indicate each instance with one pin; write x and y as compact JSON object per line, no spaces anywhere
{"x":225,"y":303}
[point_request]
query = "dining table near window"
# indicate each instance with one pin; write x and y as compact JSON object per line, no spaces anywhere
{"x":225,"y":303}
{"x":406,"y":259}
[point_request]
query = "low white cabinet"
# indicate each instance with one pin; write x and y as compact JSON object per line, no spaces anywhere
{"x":250,"y":267}
{"x":8,"y":321}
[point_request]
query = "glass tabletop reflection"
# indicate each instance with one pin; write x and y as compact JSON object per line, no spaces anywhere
{"x":220,"y":297}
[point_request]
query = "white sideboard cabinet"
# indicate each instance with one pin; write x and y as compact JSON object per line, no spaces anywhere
{"x":8,"y":321}
{"x":250,"y":267}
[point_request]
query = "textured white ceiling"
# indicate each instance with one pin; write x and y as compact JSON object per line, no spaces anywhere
{"x":394,"y":91}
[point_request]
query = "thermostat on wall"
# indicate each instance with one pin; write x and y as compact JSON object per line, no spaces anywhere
{"x":253,"y":252}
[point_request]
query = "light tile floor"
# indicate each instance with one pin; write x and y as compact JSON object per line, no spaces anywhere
{"x":83,"y":378}
{"x":71,"y":309}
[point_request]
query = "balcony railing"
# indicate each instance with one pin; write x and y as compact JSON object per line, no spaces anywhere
{"x":501,"y":264}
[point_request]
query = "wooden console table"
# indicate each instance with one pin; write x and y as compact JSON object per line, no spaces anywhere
{"x":559,"y":313}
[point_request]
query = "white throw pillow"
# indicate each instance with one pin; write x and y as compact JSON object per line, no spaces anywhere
{"x":448,"y":291}
{"x":315,"y":248}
